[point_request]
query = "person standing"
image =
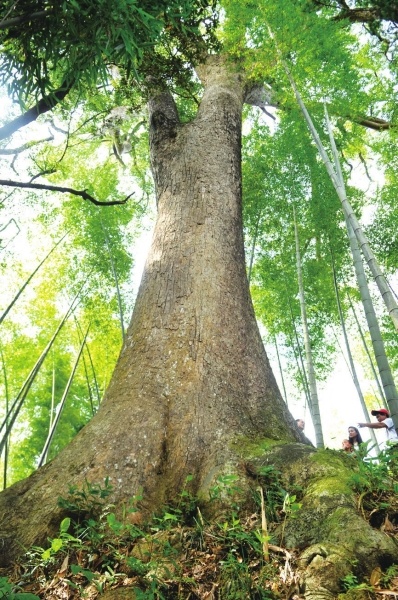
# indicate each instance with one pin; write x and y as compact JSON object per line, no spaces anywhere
{"x":301,"y":425}
{"x":384,"y":421}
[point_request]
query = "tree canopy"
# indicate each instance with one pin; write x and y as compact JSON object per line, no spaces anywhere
{"x":48,"y":46}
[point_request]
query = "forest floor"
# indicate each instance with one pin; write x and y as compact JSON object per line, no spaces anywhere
{"x":181,"y":555}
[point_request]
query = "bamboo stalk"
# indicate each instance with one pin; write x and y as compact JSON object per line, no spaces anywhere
{"x":365,"y":345}
{"x":351,"y":360}
{"x":90,"y":394}
{"x":9,"y":307}
{"x":338,"y":183}
{"x":337,"y":179}
{"x":92,"y":366}
{"x":52,"y":401}
{"x":7,"y":399}
{"x":370,"y":313}
{"x":391,"y":305}
{"x":301,"y":369}
{"x":280,"y":369}
{"x":253,"y":248}
{"x":13,"y":413}
{"x":61,"y":405}
{"x":316,"y":418}
{"x":114,"y":272}
{"x":302,"y":375}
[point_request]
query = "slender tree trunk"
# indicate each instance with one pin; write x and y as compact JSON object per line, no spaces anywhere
{"x":115,"y":277}
{"x":7,"y":406}
{"x":55,"y":421}
{"x":253,"y":248}
{"x":193,"y":380}
{"x":383,"y":365}
{"x":29,"y":279}
{"x":354,"y":226}
{"x":366,"y":348}
{"x":316,"y":418}
{"x":349,"y":214}
{"x":280,"y":369}
{"x":300,"y":364}
{"x":351,"y":360}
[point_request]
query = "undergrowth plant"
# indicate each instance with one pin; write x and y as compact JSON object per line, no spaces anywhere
{"x":9,"y":591}
{"x":177,"y":554}
{"x":375,"y":479}
{"x":85,"y":502}
{"x":184,"y":509}
{"x":350,"y":582}
{"x":389,"y":576}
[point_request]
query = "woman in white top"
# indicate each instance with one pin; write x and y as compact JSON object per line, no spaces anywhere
{"x":354,"y":437}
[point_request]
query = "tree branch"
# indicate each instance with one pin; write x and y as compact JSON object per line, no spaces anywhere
{"x":7,"y":23}
{"x":44,"y":105}
{"x":359,"y":15}
{"x":55,"y":188}
{"x":42,"y":173}
{"x":365,"y":14}
{"x":373,"y":123}
{"x":365,"y":166}
{"x":11,"y":151}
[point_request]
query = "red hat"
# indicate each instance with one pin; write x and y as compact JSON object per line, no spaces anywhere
{"x":380,"y":411}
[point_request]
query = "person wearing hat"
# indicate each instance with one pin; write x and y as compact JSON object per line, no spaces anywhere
{"x":384,"y":421}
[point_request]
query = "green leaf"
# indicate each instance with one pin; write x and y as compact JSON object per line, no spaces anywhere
{"x":76,"y":569}
{"x":46,"y":554}
{"x":169,"y":517}
{"x":65,"y":524}
{"x":56,"y":544}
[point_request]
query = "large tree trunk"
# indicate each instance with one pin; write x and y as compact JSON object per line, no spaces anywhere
{"x":193,"y":392}
{"x":192,"y":379}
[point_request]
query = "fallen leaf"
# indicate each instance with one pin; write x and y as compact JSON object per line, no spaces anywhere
{"x":375,"y":576}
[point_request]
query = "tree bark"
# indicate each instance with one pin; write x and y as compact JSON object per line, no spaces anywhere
{"x":193,"y":378}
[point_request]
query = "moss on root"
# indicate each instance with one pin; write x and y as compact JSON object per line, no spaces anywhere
{"x":249,"y":448}
{"x":333,"y":537}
